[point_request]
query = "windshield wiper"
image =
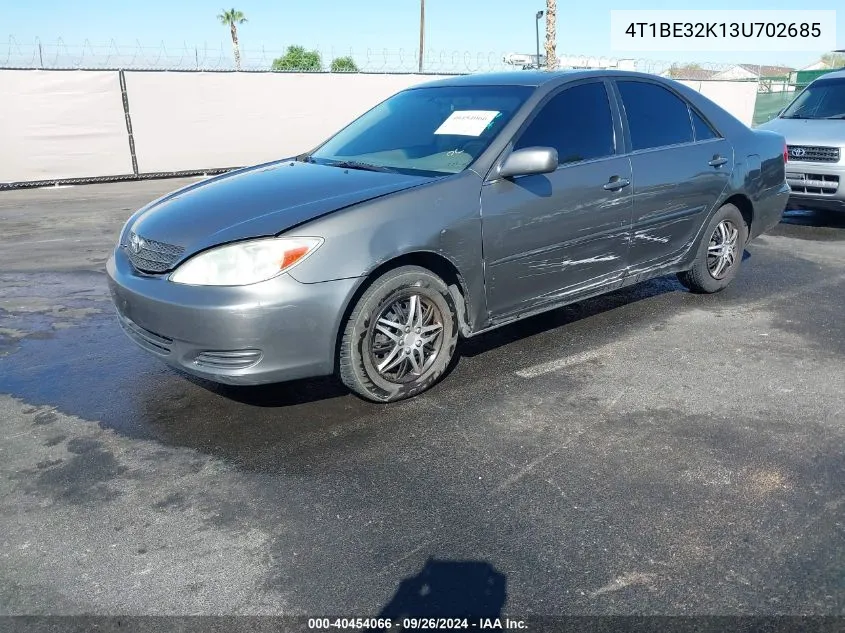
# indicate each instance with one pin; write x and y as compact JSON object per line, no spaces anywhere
{"x":354,"y":164}
{"x":795,"y":116}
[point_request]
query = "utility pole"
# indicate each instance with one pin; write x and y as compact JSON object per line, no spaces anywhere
{"x":422,"y":33}
{"x":538,"y":17}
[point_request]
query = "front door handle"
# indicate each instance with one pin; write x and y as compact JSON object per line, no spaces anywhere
{"x":718,"y":161}
{"x":616,"y":183}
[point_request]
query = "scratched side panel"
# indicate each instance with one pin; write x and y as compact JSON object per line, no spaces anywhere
{"x":550,"y":234}
{"x":674,"y":191}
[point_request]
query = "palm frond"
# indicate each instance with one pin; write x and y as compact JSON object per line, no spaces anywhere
{"x":231,"y":16}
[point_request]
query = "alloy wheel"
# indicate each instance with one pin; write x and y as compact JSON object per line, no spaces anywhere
{"x":722,"y":251}
{"x":406,"y":338}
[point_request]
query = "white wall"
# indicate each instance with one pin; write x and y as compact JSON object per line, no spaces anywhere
{"x":737,"y":97}
{"x":61,"y":124}
{"x":70,"y":124}
{"x":184,"y":121}
{"x":735,"y":72}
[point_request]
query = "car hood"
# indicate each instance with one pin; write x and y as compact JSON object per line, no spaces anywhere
{"x":258,"y":202}
{"x":819,"y":132}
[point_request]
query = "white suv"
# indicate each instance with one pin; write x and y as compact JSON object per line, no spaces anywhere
{"x":814,"y":128}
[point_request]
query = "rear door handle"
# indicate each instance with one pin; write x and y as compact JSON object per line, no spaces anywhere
{"x":718,"y":161}
{"x":616,"y":183}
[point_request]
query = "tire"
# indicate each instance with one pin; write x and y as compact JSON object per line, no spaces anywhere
{"x":372,"y":362}
{"x":714,"y":269}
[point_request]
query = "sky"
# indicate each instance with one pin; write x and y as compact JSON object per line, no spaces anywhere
{"x":452,"y":26}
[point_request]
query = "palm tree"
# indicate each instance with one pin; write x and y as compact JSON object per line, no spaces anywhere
{"x":232,"y":18}
{"x":551,"y":34}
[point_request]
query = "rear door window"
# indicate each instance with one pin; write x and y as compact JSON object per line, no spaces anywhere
{"x":656,"y":116}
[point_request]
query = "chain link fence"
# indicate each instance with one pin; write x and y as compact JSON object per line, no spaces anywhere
{"x":769,"y":104}
{"x":61,"y":54}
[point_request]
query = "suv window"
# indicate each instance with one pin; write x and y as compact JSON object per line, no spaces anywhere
{"x":656,"y":117}
{"x":703,"y":131}
{"x":577,"y":122}
{"x":822,"y":99}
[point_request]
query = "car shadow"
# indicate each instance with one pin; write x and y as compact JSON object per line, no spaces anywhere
{"x":539,"y":185}
{"x":283,"y":394}
{"x":799,"y":216}
{"x":559,"y":317}
{"x":309,"y":390}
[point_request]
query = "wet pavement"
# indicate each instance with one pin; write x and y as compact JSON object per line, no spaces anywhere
{"x":650,"y":451}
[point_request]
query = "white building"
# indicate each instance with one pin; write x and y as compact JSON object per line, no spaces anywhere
{"x":771,"y":78}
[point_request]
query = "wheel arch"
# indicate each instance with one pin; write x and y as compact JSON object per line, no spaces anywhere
{"x":437,"y":263}
{"x":746,"y":208}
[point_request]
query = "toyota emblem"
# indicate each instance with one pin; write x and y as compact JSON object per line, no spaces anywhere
{"x":136,"y":243}
{"x":797,"y":152}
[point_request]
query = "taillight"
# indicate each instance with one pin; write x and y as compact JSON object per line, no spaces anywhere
{"x":785,"y":153}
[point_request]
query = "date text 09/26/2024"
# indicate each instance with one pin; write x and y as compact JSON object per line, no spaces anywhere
{"x":325,"y":624}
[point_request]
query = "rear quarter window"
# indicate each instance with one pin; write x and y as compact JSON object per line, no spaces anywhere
{"x":702,"y":129}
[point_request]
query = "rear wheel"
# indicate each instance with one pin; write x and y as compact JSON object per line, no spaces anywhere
{"x":400,"y":337}
{"x":720,"y":253}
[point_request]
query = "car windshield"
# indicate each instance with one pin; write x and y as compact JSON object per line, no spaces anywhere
{"x":426,"y":131}
{"x":823,"y":99}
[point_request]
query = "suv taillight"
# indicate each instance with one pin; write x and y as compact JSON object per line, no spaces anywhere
{"x":785,"y":153}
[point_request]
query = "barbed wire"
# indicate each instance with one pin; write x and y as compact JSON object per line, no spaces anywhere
{"x":59,"y":54}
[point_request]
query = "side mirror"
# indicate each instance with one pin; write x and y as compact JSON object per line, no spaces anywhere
{"x":531,"y":160}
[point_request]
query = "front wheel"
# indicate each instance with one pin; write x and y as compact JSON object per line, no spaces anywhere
{"x":720,"y":253}
{"x":400,"y":337}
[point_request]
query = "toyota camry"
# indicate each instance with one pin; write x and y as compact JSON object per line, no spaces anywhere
{"x":451,"y":208}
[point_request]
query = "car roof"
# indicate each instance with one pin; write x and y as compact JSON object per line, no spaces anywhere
{"x":534,"y":78}
{"x":506,"y":78}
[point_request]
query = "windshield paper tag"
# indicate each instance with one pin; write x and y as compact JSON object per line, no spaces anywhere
{"x":467,"y":122}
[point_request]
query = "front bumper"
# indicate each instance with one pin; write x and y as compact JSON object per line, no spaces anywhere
{"x":815,"y":203}
{"x":268,"y":332}
{"x":816,"y":185}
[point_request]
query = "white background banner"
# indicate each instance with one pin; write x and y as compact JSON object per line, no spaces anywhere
{"x":188,"y":120}
{"x":61,"y":124}
{"x":58,"y":125}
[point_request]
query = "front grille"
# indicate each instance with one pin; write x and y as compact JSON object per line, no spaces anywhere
{"x":234,"y":359}
{"x":150,"y":341}
{"x":153,"y":256}
{"x":818,"y":184}
{"x":811,"y":154}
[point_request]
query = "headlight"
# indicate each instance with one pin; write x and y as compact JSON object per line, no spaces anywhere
{"x":245,"y":263}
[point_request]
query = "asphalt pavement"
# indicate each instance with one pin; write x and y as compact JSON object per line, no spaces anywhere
{"x":651,"y":451}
